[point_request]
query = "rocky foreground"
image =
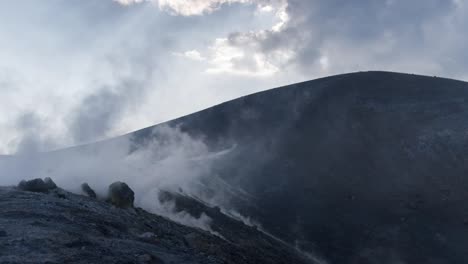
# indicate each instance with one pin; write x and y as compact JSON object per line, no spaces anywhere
{"x":60,"y":227}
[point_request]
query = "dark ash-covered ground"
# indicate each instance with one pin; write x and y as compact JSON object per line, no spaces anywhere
{"x":61,"y":227}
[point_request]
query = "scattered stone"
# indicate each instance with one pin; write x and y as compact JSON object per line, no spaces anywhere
{"x":88,"y":190}
{"x":121,"y":195}
{"x":147,"y":235}
{"x":37,"y":185}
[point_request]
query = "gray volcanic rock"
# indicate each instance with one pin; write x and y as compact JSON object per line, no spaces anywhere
{"x":88,"y":190}
{"x":37,"y":185}
{"x":61,"y":227}
{"x":121,"y":195}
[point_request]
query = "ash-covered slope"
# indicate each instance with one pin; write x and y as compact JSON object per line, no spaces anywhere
{"x":61,"y":227}
{"x":358,"y":168}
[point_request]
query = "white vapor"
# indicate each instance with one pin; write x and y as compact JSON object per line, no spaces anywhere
{"x":101,"y":70}
{"x":171,"y":161}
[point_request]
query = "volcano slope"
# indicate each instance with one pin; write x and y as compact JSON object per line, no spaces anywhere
{"x":365,"y":167}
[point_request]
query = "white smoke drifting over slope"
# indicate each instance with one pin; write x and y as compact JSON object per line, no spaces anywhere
{"x":171,"y":160}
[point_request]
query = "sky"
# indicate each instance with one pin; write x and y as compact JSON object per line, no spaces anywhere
{"x":78,"y":71}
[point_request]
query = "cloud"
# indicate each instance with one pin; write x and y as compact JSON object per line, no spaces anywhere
{"x":329,"y":37}
{"x":240,"y":54}
{"x":368,"y":34}
{"x":192,"y":55}
{"x":187,"y":7}
{"x":252,"y":53}
{"x":195,"y":7}
{"x":129,"y":2}
{"x":255,"y":53}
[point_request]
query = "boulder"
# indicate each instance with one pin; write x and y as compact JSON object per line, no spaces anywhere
{"x":50,"y":184}
{"x":121,"y":195}
{"x":37,"y":185}
{"x":88,"y":190}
